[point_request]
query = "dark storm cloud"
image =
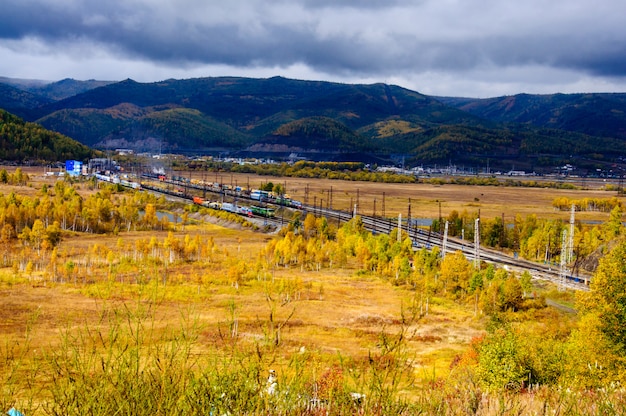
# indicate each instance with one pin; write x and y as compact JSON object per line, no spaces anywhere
{"x":370,"y":38}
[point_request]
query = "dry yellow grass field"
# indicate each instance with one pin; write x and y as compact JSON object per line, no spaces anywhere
{"x":330,"y":312}
{"x":426,"y":199}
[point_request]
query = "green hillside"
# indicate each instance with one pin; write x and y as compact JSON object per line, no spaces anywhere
{"x":88,"y":123}
{"x":19,"y":101}
{"x":601,"y":115}
{"x":21,"y":141}
{"x":450,"y":143}
{"x":246,"y":115}
{"x":190,"y":129}
{"x":319,"y":133}
{"x":259,"y":106}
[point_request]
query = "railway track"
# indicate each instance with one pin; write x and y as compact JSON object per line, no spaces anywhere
{"x":419,"y":237}
{"x":426,"y":239}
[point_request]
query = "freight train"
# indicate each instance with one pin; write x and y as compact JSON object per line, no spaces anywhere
{"x":228,"y":190}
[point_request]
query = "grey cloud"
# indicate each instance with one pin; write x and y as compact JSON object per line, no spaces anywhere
{"x":385,"y":38}
{"x":357,"y":4}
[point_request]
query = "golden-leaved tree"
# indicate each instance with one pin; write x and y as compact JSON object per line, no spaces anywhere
{"x":601,"y":334}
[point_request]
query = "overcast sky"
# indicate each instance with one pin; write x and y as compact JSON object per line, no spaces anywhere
{"x":473,"y":48}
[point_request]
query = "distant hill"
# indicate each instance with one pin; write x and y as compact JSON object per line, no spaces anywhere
{"x":23,"y":83}
{"x":525,"y":148}
{"x":19,"y":101}
{"x":54,"y":91}
{"x":66,"y":88}
{"x":21,"y":141}
{"x":261,"y":105}
{"x":239,"y":112}
{"x":279,"y":117}
{"x":592,"y":114}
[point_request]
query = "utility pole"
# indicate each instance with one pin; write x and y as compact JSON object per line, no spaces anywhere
{"x":408,"y":219}
{"x":563,"y":269}
{"x":570,"y":245}
{"x":477,"y":243}
{"x":444,"y":246}
{"x":204,"y":185}
{"x":383,"y":205}
{"x":330,"y":198}
{"x":502,"y":233}
{"x":440,"y":217}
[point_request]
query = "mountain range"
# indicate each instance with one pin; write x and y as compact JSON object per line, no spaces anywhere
{"x":279,"y":117}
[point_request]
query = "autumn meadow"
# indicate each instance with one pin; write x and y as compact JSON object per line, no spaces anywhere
{"x":111,"y":307}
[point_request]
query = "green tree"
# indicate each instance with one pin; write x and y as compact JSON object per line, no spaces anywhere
{"x":593,"y":360}
{"x":501,"y":361}
{"x":37,"y":234}
{"x":278,"y":189}
{"x":526,"y":282}
{"x":455,"y":272}
{"x":309,"y":225}
{"x":512,"y":293}
{"x":149,"y":217}
{"x":607,"y":297}
{"x":613,"y":227}
{"x":476,"y":282}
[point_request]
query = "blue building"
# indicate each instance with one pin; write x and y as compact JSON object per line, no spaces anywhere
{"x":73,"y":167}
